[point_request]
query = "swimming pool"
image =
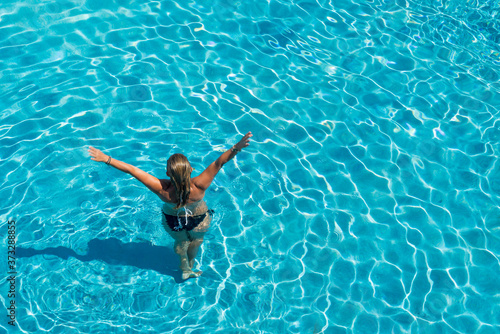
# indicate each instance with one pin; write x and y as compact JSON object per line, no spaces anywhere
{"x":367,"y":202}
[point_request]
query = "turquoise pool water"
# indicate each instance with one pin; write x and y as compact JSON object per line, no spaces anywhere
{"x":367,"y":202}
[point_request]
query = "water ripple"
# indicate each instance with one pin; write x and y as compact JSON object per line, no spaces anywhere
{"x":370,"y":190}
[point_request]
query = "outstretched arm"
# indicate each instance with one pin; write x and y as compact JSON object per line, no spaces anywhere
{"x":148,"y":180}
{"x":204,"y":180}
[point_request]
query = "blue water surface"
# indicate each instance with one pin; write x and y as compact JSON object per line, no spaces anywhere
{"x":366,"y":203}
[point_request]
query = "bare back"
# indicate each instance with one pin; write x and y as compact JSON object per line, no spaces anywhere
{"x":169,"y":195}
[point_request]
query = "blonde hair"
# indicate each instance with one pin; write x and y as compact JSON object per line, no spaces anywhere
{"x":180,"y":173}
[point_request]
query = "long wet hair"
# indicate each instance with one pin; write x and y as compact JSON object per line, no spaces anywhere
{"x":180,"y":169}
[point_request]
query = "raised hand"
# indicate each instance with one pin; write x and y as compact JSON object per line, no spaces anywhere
{"x":244,"y":142}
{"x":97,"y":155}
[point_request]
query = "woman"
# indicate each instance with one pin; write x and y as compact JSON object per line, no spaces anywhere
{"x":185,"y":214}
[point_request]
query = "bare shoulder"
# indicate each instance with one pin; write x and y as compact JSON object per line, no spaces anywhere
{"x":204,"y":180}
{"x":167,"y":192}
{"x":197,"y":192}
{"x":196,"y":181}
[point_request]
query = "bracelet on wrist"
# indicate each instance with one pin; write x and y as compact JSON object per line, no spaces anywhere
{"x":109,"y":160}
{"x":234,"y":149}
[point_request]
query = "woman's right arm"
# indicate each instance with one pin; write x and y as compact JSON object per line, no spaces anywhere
{"x":204,"y":180}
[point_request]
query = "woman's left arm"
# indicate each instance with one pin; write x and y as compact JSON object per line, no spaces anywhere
{"x":148,"y":180}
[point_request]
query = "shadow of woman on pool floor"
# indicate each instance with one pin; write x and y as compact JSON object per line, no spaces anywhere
{"x":142,"y":255}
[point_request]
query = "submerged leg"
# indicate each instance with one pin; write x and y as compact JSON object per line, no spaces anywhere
{"x":192,"y":251}
{"x":180,"y":248}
